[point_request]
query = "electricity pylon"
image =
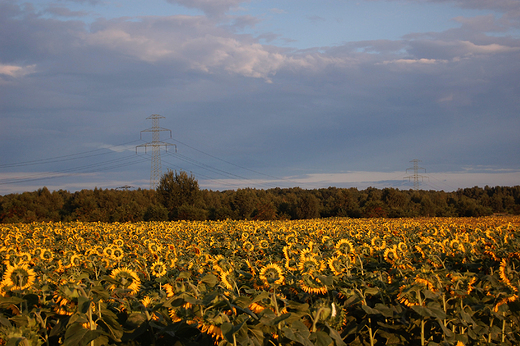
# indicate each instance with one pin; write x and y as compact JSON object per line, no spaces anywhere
{"x":416,"y":176}
{"x":156,"y":144}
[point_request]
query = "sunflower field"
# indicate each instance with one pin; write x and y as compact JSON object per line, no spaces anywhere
{"x":339,"y":281}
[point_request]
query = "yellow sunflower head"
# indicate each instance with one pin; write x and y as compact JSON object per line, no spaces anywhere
{"x":271,"y":274}
{"x":126,"y":279}
{"x":158,"y":269}
{"x":18,"y":277}
{"x":345,"y":247}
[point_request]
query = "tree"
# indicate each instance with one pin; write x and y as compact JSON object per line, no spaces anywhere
{"x":177,"y":189}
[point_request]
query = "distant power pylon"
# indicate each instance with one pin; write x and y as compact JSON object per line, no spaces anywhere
{"x":156,"y":144}
{"x":416,"y":176}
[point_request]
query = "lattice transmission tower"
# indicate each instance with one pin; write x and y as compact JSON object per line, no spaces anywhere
{"x":416,"y":176}
{"x":156,"y":144}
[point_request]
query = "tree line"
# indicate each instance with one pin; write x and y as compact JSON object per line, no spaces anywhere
{"x":178,"y":197}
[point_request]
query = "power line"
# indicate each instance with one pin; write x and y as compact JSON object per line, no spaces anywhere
{"x":416,"y":176}
{"x":156,"y":144}
{"x":62,"y":158}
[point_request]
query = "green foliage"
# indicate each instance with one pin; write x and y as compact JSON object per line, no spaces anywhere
{"x":179,"y":193}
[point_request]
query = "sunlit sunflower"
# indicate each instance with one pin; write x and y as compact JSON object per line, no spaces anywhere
{"x":345,"y":247}
{"x":248,"y":246}
{"x":339,"y":264}
{"x":19,"y":277}
{"x":25,"y":257}
{"x":409,"y":295}
{"x":310,"y":265}
{"x":154,"y":248}
{"x":117,"y":253}
{"x":502,"y":272}
{"x":390,"y":255}
{"x":221,"y":264}
{"x":118,"y":242}
{"x":126,"y":279}
{"x":168,"y":288}
{"x":271,"y":274}
{"x":76,"y":260}
{"x":291,"y":239}
{"x":158,"y":269}
{"x":505,"y":300}
{"x":46,"y":255}
{"x":378,"y":243}
{"x":263,"y":244}
{"x":212,"y":330}
{"x":312,"y":284}
{"x":228,"y":280}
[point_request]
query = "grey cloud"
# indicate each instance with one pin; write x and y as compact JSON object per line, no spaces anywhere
{"x":442,"y":97}
{"x":212,"y":8}
{"x":65,"y":12}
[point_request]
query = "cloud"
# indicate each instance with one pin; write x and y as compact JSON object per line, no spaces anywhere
{"x":316,"y":19}
{"x":212,"y":8}
{"x":65,"y":12}
{"x":277,"y":10}
{"x":17,"y":71}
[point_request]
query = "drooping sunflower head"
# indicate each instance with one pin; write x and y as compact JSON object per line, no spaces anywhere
{"x":339,"y":264}
{"x":409,"y":295}
{"x":126,"y":279}
{"x":46,"y":255}
{"x":248,"y":246}
{"x":312,"y":284}
{"x":221,"y":264}
{"x":263,"y":244}
{"x":118,"y":242}
{"x":154,"y":248}
{"x":390,"y":255}
{"x":271,"y":274}
{"x":117,"y":253}
{"x":158,"y":269}
{"x":19,"y":277}
{"x":309,"y":265}
{"x":378,"y":243}
{"x":228,"y":280}
{"x":345,"y":247}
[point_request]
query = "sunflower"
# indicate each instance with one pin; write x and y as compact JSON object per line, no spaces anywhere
{"x":19,"y":277}
{"x":154,"y":248}
{"x":310,"y":265}
{"x":291,"y":239}
{"x":76,"y":260}
{"x":312,"y":284}
{"x":263,"y":244}
{"x":118,"y":242}
{"x":126,"y":279}
{"x":158,"y":269}
{"x":504,"y":301}
{"x":248,"y":246}
{"x":409,"y":295}
{"x":338,"y":264}
{"x":46,"y":255}
{"x":212,"y":330}
{"x":221,"y":264}
{"x":345,"y":247}
{"x":503,"y":275}
{"x":117,"y":253}
{"x":108,"y":251}
{"x":271,"y":274}
{"x":169,"y":290}
{"x":228,"y":280}
{"x":378,"y":243}
{"x":390,"y":255}
{"x":25,"y":257}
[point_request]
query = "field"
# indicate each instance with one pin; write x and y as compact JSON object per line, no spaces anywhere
{"x":433,"y":281}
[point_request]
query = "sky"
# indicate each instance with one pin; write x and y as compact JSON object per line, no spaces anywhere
{"x":260,"y":93}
